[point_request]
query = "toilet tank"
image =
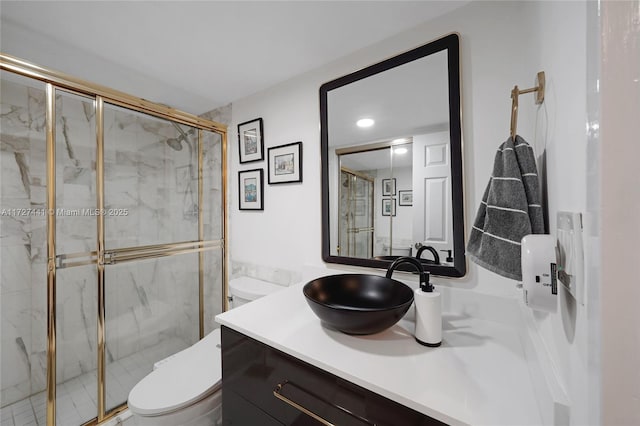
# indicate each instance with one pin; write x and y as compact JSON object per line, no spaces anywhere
{"x":245,"y":289}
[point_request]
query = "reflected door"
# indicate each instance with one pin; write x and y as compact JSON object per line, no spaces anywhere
{"x":431,"y":187}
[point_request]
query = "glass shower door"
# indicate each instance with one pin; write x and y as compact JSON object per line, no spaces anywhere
{"x":161,"y":205}
{"x":23,"y":254}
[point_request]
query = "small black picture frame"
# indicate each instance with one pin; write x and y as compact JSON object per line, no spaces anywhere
{"x":388,"y":207}
{"x":251,"y":141}
{"x":285,"y":163}
{"x":251,"y":189}
{"x":405,"y":198}
{"x":388,"y":187}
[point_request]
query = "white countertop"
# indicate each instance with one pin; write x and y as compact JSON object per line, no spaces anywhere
{"x":479,"y":376}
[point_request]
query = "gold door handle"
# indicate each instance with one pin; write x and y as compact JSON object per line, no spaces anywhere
{"x":277,"y":392}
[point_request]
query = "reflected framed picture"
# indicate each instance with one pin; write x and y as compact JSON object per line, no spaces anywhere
{"x":250,"y":140}
{"x":388,"y":207}
{"x":285,"y":163}
{"x":250,"y":189}
{"x":405,"y":198}
{"x":388,"y":187}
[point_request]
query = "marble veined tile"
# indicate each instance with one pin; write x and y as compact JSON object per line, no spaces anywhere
{"x":14,"y":229}
{"x":16,"y":345}
{"x":15,"y":175}
{"x":22,"y":108}
{"x":222,"y":115}
{"x":266,"y":273}
{"x":212,"y":288}
{"x":15,"y":274}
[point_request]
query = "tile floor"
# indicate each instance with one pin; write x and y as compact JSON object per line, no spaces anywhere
{"x":76,"y":398}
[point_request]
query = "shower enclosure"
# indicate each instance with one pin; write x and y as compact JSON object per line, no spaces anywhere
{"x":356,"y":225}
{"x":112,"y":230}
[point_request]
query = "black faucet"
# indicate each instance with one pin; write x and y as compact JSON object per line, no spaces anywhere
{"x":436,"y":256}
{"x":424,"y":275}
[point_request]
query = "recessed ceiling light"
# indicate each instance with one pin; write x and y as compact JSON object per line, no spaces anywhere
{"x":365,"y":122}
{"x":399,"y":140}
{"x":400,"y":151}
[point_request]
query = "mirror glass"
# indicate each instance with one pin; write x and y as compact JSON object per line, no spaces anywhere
{"x":392,"y":162}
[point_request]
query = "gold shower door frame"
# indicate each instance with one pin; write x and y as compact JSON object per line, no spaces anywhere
{"x":55,"y":80}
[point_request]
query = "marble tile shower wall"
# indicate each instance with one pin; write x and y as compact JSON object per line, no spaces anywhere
{"x":153,"y":183}
{"x":150,"y":301}
{"x":151,"y":189}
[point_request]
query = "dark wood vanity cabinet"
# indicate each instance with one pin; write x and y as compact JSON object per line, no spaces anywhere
{"x":263,"y":386}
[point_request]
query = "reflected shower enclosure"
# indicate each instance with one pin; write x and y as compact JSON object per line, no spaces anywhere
{"x":356,"y":225}
{"x":112,"y":233}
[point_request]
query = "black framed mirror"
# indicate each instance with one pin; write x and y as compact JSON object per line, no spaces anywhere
{"x":391,"y":143}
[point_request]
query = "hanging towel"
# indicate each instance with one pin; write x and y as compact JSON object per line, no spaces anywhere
{"x":510,"y":209}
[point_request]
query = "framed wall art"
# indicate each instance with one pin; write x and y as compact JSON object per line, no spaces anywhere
{"x":285,"y":163}
{"x":405,"y":198}
{"x":388,"y":207}
{"x":250,"y":189}
{"x":388,"y":187}
{"x":251,"y":141}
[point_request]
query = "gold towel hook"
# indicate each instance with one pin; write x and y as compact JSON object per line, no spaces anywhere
{"x":514,"y":112}
{"x":539,"y":89}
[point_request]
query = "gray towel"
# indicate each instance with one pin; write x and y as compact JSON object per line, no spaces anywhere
{"x":510,"y":209}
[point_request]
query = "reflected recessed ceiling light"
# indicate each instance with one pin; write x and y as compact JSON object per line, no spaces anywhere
{"x":399,"y":140}
{"x":400,"y":151}
{"x":365,"y":122}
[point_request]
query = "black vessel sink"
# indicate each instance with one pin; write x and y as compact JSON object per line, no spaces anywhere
{"x":358,"y":303}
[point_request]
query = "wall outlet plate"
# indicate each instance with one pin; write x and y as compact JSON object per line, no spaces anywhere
{"x":570,"y":256}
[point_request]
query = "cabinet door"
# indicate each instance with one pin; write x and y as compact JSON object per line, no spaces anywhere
{"x":296,"y":393}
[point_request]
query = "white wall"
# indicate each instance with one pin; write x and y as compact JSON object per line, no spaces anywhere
{"x":403,"y":220}
{"x":502,"y":44}
{"x":620,"y":212}
{"x":559,"y":37}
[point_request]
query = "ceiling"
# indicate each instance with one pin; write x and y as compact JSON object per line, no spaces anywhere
{"x":196,"y":56}
{"x":404,"y":101}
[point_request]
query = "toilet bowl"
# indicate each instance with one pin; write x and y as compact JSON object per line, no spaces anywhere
{"x":185,"y":389}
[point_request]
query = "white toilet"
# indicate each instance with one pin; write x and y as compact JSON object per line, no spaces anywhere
{"x":185,"y":389}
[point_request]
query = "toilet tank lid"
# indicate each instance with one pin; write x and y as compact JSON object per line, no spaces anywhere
{"x":251,"y":288}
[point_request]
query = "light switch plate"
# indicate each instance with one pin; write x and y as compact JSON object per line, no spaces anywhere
{"x":570,"y":256}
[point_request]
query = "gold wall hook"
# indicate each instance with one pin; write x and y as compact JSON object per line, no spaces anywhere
{"x":514,"y":111}
{"x":538,"y":89}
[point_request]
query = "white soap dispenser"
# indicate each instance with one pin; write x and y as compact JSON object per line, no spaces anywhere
{"x":428,"y":315}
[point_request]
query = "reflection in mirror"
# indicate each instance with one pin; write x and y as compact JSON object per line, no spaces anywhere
{"x":394,"y":187}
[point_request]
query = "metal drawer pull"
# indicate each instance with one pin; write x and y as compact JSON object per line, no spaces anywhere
{"x":277,"y":392}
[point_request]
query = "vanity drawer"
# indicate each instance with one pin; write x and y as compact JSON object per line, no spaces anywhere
{"x":294,"y":392}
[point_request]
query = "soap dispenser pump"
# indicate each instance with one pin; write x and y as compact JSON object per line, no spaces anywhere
{"x":428,"y":315}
